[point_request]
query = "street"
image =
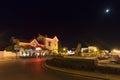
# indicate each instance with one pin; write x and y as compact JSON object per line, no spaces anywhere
{"x":32,"y":69}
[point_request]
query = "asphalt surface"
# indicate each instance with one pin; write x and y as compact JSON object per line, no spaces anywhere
{"x":33,"y":69}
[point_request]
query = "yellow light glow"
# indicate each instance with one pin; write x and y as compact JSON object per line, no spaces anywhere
{"x":64,"y":49}
{"x":95,"y":49}
{"x":116,"y":51}
{"x":38,"y":48}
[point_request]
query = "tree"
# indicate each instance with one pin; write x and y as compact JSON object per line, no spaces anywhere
{"x":10,"y":48}
{"x":60,"y":47}
{"x":77,"y":51}
{"x":14,"y":40}
{"x":40,"y":38}
{"x":4,"y":39}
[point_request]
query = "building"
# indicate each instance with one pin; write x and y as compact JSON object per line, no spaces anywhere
{"x":50,"y":44}
{"x":90,"y":51}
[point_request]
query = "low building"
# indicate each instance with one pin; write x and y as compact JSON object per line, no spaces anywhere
{"x":90,"y":51}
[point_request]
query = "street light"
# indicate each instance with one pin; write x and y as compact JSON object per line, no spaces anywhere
{"x":64,"y":49}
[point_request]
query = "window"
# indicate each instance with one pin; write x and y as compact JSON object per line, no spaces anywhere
{"x":49,"y":43}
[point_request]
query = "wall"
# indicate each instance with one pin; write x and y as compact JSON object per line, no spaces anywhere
{"x":8,"y":54}
{"x":1,"y":54}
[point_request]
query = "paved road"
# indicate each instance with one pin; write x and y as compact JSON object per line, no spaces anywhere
{"x":32,"y":69}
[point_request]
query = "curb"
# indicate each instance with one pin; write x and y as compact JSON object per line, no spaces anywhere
{"x":75,"y":72}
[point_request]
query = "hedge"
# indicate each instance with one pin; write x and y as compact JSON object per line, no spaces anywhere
{"x":82,"y":64}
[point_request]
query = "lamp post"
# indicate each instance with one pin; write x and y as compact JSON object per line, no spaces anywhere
{"x":16,"y":48}
{"x":64,"y":51}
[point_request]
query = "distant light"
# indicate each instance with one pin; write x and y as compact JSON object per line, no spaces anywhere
{"x":118,"y":55}
{"x":64,"y":49}
{"x":43,"y":54}
{"x":107,"y":10}
{"x":70,"y":52}
{"x":37,"y":54}
{"x":116,"y":51}
{"x":24,"y":54}
{"x":38,"y":48}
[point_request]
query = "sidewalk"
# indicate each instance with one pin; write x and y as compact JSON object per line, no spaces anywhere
{"x":96,"y":75}
{"x":6,"y":59}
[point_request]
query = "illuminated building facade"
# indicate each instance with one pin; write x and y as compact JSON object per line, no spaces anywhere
{"x":50,"y":44}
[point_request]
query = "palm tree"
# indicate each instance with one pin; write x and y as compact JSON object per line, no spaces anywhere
{"x":77,"y":50}
{"x":14,"y":40}
{"x":40,"y":38}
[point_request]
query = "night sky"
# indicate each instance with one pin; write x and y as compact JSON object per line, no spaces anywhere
{"x":82,"y":21}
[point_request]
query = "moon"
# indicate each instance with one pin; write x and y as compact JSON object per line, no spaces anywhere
{"x":107,"y":10}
